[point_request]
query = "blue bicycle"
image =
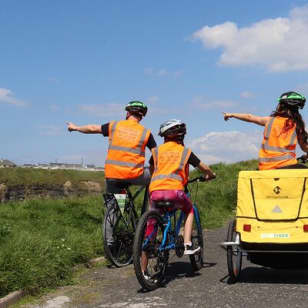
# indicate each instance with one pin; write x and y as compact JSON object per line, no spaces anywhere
{"x":151,"y":248}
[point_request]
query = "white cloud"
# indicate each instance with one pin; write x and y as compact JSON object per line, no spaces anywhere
{"x":103,"y":110}
{"x":7,"y":96}
{"x":227,"y":147}
{"x":203,"y":103}
{"x":279,"y":44}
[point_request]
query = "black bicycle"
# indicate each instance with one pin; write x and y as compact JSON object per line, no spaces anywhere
{"x":157,"y":235}
{"x":120,"y":221}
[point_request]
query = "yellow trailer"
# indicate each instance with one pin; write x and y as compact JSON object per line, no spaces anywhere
{"x":271,"y":224}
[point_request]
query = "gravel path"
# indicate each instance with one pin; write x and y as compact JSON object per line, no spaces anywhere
{"x":258,"y":287}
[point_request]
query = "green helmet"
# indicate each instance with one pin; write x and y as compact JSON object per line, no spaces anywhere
{"x":292,"y":99}
{"x":137,"y":107}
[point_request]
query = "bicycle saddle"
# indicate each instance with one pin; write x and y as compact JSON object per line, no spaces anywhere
{"x":163,"y":204}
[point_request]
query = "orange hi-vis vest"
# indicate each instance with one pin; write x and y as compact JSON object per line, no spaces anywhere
{"x":278,"y":146}
{"x":171,"y":167}
{"x":127,"y":141}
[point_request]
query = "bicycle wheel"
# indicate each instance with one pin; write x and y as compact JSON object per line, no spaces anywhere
{"x":234,"y":254}
{"x":123,"y":227}
{"x":149,"y":258}
{"x":196,"y":260}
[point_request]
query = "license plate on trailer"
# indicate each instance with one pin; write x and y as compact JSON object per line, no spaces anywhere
{"x":275,"y":235}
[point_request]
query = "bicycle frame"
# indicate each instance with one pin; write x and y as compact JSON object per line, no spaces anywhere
{"x":132,"y":197}
{"x":168,"y":217}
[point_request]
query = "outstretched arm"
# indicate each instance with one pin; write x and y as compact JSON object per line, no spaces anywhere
{"x":247,"y":118}
{"x":86,"y":129}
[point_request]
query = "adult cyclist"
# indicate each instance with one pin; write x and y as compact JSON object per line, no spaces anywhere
{"x":283,"y":129}
{"x":124,"y":164}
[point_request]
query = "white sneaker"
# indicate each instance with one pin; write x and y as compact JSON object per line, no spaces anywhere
{"x":190,"y":251}
{"x":146,"y":277}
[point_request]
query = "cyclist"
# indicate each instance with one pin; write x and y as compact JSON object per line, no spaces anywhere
{"x":283,"y":129}
{"x":170,"y":165}
{"x":124,"y":164}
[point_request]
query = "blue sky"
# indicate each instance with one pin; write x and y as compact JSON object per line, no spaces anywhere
{"x":82,"y":61}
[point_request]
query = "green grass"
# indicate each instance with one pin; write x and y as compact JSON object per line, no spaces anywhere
{"x":42,"y":240}
{"x":29,"y":176}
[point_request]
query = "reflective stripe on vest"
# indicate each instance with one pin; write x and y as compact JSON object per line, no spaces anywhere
{"x":173,"y":175}
{"x":284,"y":153}
{"x":137,"y":150}
{"x":123,"y":163}
{"x":278,"y":158}
{"x":170,"y":167}
{"x":267,"y":147}
{"x":126,"y":151}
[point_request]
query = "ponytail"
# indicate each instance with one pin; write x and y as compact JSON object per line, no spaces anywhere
{"x":296,"y":118}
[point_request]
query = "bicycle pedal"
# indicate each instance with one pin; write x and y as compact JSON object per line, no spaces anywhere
{"x":179,"y":246}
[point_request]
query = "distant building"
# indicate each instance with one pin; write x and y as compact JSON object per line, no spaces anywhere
{"x":5,"y":163}
{"x":81,"y":167}
{"x":29,"y":165}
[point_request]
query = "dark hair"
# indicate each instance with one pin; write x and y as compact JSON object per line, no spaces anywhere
{"x":292,"y":113}
{"x":178,"y":139}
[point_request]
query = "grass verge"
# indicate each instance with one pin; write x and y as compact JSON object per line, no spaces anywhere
{"x":42,"y":240}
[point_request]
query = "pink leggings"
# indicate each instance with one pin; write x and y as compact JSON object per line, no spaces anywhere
{"x":179,"y":199}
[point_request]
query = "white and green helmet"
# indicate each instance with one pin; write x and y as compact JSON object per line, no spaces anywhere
{"x":172,"y":128}
{"x":292,"y":99}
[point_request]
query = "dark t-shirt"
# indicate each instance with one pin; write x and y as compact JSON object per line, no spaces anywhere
{"x":151,"y":141}
{"x":192,"y":160}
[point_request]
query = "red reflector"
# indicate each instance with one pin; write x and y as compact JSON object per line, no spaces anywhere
{"x":247,"y":228}
{"x":305,"y":227}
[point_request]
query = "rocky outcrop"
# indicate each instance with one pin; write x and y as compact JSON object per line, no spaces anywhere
{"x":91,"y":187}
{"x":67,"y":188}
{"x":3,"y":192}
{"x":22,"y":192}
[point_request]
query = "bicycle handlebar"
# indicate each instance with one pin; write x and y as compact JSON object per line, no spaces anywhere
{"x":303,"y":158}
{"x":200,"y":178}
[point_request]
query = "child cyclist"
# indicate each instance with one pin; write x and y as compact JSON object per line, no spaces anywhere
{"x":283,"y":129}
{"x":170,"y":165}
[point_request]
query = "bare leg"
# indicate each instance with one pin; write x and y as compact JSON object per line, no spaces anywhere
{"x":188,"y":227}
{"x":144,"y":261}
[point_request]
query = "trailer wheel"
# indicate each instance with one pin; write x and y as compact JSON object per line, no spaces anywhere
{"x":234,"y":254}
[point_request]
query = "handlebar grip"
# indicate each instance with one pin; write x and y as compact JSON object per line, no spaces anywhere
{"x":303,"y":158}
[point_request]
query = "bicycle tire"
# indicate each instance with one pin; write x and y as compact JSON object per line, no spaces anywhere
{"x":234,"y":255}
{"x":157,"y":259}
{"x":197,"y":239}
{"x":123,"y":226}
